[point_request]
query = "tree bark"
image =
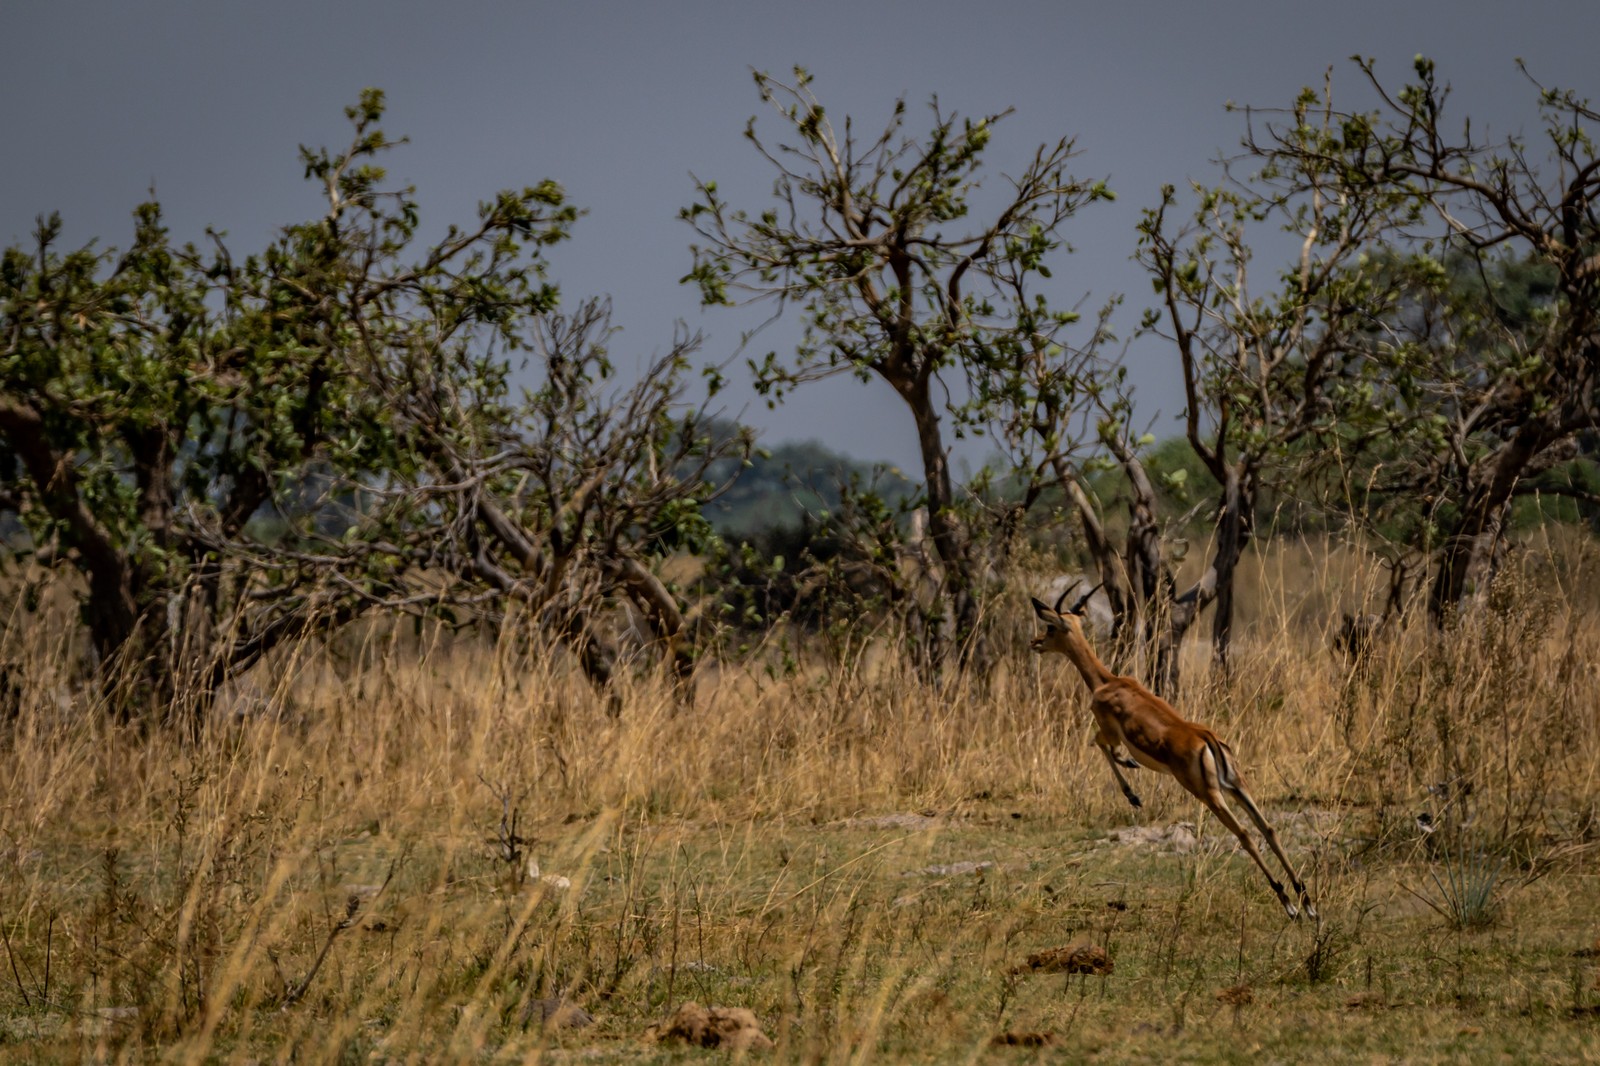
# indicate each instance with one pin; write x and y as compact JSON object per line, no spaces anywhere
{"x":1235,"y":525}
{"x":112,"y":610}
{"x":1465,"y":563}
{"x":948,"y":538}
{"x":1162,"y":617}
{"x":1113,"y":572}
{"x":661,"y":613}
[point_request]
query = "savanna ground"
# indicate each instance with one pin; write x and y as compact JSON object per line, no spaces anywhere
{"x":343,"y":871}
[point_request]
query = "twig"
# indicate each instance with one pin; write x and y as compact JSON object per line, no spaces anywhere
{"x":352,"y":905}
{"x":49,"y":937}
{"x":26,"y":1002}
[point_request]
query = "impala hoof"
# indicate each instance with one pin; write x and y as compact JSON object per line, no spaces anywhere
{"x":1292,"y":911}
{"x":1135,"y":800}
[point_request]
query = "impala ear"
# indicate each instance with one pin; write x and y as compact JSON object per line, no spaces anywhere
{"x":1041,"y":608}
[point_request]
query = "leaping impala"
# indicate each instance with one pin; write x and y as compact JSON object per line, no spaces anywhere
{"x":1131,"y":716}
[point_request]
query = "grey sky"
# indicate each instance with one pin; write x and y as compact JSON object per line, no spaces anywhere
{"x":621,"y":101}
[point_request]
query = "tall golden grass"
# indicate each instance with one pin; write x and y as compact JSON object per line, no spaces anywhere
{"x":343,"y":864}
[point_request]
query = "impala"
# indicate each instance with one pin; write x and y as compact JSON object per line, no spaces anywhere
{"x":1132,"y":717}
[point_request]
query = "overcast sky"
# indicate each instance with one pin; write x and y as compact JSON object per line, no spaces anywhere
{"x":620,"y":102}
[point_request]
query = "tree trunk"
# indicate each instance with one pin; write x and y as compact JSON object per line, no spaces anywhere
{"x":1161,"y":616}
{"x":1235,"y":526}
{"x":1171,"y":625}
{"x":1113,"y":573}
{"x":948,"y":539}
{"x":665,"y":620}
{"x":133,"y":662}
{"x":599,"y":666}
{"x":1465,"y":563}
{"x":126,"y":630}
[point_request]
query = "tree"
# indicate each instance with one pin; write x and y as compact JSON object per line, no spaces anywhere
{"x":1257,"y":365}
{"x":1495,"y":393}
{"x":239,"y":453}
{"x":153,"y":416}
{"x":1075,"y":437}
{"x":874,"y":240}
{"x":1265,"y":367}
{"x":563,"y":499}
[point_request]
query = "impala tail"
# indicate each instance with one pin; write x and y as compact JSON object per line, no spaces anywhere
{"x":1223,"y":757}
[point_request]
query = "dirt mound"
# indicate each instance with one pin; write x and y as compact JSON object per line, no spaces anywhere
{"x":1079,"y":958}
{"x":1366,"y":1001}
{"x":730,"y":1028}
{"x":1236,"y":995}
{"x":1044,"y":1039}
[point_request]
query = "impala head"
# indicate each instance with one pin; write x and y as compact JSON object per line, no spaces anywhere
{"x":1058,"y":622}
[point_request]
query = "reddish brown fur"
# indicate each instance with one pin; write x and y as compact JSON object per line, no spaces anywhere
{"x":1132,"y":718}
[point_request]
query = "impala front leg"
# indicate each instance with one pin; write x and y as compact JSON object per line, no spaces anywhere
{"x":1109,"y":750}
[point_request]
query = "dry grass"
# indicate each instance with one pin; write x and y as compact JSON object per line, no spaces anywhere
{"x":342,"y":871}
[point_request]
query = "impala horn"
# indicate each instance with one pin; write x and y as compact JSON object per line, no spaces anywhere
{"x":1076,"y":608}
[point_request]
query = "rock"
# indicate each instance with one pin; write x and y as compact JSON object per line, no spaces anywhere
{"x":553,"y":881}
{"x":104,"y":1021}
{"x":950,"y":869}
{"x":554,"y":1013}
{"x":1178,"y":837}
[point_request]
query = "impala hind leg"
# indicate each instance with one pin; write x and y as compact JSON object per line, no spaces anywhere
{"x":1212,"y":798}
{"x":1271,"y":837}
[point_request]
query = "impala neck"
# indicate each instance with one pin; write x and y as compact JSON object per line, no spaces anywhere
{"x":1076,"y":648}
